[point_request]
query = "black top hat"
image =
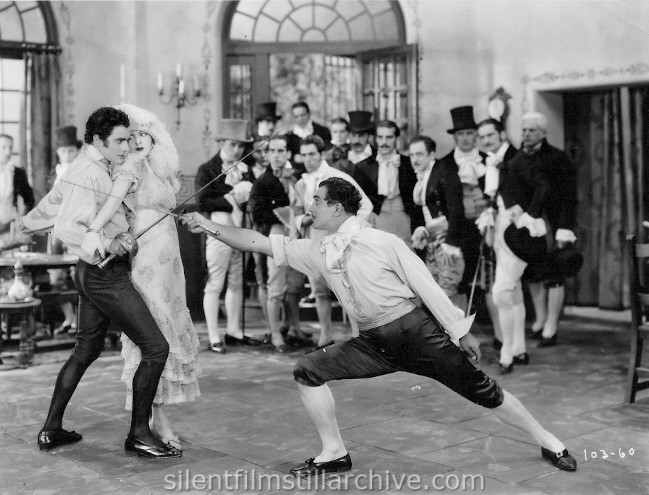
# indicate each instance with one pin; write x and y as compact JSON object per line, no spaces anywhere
{"x":267,"y":111}
{"x":563,"y":262}
{"x":462,"y":119}
{"x":360,"y":121}
{"x":66,"y":136}
{"x":532,"y":250}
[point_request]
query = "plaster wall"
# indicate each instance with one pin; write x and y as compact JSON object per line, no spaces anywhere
{"x":534,"y":49}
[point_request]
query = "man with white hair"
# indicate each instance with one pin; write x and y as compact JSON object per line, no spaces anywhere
{"x":547,"y":289}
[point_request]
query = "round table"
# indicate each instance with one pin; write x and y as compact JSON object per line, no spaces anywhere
{"x":26,"y":311}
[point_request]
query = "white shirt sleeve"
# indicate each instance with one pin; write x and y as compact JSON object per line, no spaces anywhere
{"x":414,"y":272}
{"x":296,"y":253}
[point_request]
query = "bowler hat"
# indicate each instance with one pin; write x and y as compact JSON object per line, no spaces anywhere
{"x":233,"y":130}
{"x":462,"y":119}
{"x":532,"y":250}
{"x":66,"y":136}
{"x":267,"y":111}
{"x":360,"y":121}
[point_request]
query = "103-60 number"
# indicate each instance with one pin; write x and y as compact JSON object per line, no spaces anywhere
{"x":594,"y":454}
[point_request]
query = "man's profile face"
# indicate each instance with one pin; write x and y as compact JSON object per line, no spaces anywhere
{"x":278,"y":153}
{"x":231,"y":150}
{"x":465,"y":139}
{"x":359,"y":141}
{"x":386,"y":140}
{"x":311,"y":156}
{"x":6,"y":145}
{"x":321,"y":211}
{"x":490,"y":138}
{"x":301,"y":116}
{"x":532,"y":134}
{"x":115,"y":147}
{"x":419,"y":156}
{"x":67,"y":153}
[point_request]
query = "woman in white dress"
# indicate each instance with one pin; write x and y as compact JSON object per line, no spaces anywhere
{"x":150,"y":178}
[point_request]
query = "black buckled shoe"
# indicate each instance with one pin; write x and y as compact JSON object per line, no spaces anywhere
{"x":547,"y":341}
{"x":562,"y":460}
{"x":536,"y":335}
{"x":49,"y":439}
{"x":311,"y":468}
{"x":522,"y":358}
{"x":134,"y":446}
{"x":245,"y":340}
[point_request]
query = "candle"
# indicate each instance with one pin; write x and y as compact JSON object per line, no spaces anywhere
{"x":181,"y":88}
{"x":122,"y":82}
{"x":160,"y":82}
{"x":178,"y":70}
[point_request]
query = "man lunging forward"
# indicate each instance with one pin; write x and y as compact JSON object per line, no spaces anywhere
{"x":377,"y":280}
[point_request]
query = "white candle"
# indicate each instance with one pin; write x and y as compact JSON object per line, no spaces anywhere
{"x":178,"y":70}
{"x":159,"y":82}
{"x":122,"y":82}
{"x":181,"y":88}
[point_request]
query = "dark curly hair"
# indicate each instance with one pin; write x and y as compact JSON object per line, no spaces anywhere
{"x":103,"y":121}
{"x":343,"y":192}
{"x":313,"y":139}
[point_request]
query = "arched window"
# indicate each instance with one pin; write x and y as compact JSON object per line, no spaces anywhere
{"x":28,"y":46}
{"x":338,"y":55}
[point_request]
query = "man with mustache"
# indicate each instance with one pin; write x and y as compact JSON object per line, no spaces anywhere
{"x":389,"y":180}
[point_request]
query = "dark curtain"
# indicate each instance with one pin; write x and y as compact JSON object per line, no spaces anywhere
{"x":42,"y":111}
{"x":605,"y":134}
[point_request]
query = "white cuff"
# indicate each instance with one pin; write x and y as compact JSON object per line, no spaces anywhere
{"x":460,"y":328}
{"x":565,"y":235}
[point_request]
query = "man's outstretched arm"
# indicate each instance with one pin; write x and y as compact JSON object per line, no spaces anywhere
{"x":238,"y":238}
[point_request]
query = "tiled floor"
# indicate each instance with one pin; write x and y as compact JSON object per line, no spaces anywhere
{"x":404,"y":433}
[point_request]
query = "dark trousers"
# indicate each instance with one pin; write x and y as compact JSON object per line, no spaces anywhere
{"x":414,"y":343}
{"x":107,"y":296}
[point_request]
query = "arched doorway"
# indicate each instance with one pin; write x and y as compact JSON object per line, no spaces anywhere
{"x":344,"y":55}
{"x":29,"y":85}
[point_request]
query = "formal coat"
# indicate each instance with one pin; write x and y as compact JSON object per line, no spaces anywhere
{"x":318,"y":130}
{"x":561,"y":207}
{"x":266,"y":195}
{"x":23,"y":189}
{"x":444,"y":197}
{"x":509,"y":154}
{"x":212,"y":198}
{"x":366,"y":173}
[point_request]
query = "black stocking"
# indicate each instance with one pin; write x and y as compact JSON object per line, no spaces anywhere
{"x":145,"y":384}
{"x":66,"y":384}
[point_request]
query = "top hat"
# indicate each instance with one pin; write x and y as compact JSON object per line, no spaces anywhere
{"x":563,"y":262}
{"x":462,"y":119}
{"x":532,"y":250}
{"x":66,"y":136}
{"x":267,"y":111}
{"x":360,"y":121}
{"x":233,"y":130}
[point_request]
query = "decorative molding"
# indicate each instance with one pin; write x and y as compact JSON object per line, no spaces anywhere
{"x":67,"y":64}
{"x":207,"y":52}
{"x":591,"y":75}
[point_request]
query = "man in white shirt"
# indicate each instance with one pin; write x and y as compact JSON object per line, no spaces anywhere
{"x":317,"y":169}
{"x":378,"y":280}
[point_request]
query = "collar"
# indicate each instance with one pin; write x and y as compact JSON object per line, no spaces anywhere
{"x":96,"y":155}
{"x":322,"y":168}
{"x":333,"y":245}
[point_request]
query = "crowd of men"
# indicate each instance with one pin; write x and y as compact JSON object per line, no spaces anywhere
{"x":484,"y":217}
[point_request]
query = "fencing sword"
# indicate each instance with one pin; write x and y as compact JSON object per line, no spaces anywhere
{"x":146,"y":229}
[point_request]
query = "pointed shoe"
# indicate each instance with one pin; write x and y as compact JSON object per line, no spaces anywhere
{"x":134,"y":446}
{"x":49,"y":439}
{"x":311,"y":468}
{"x":562,"y":460}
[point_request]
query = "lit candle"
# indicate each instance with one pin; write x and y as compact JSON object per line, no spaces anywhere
{"x":181,"y":88}
{"x":122,"y":82}
{"x":178,"y":70}
{"x":159,"y":82}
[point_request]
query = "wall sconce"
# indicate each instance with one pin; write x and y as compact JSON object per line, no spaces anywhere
{"x":180,"y":94}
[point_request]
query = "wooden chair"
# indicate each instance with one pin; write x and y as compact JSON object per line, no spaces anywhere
{"x":638,"y":376}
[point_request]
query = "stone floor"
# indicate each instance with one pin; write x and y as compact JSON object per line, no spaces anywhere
{"x":404,"y":433}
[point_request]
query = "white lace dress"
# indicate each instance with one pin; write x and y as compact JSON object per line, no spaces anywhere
{"x":157,"y":274}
